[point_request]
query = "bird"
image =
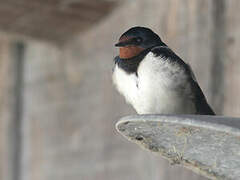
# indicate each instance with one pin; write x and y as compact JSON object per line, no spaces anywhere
{"x":153,"y":79}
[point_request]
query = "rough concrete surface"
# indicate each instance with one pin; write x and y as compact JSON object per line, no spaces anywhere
{"x":209,"y":145}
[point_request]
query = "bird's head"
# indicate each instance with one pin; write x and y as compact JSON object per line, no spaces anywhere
{"x":135,"y":40}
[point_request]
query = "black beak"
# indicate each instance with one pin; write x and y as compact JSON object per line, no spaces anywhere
{"x":120,"y":44}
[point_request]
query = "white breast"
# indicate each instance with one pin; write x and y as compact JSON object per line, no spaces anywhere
{"x":127,"y":85}
{"x":161,"y":87}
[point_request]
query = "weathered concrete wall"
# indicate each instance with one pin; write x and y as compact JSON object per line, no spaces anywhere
{"x":232,"y":59}
{"x":9,"y":144}
{"x":5,"y":106}
{"x":70,"y":106}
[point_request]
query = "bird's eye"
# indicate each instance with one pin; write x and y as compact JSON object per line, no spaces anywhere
{"x":138,"y":40}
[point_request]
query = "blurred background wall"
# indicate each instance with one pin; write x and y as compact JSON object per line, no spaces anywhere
{"x":58,"y":106}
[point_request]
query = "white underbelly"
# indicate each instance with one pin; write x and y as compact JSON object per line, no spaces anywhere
{"x":152,"y":91}
{"x":127,"y":85}
{"x":157,"y":102}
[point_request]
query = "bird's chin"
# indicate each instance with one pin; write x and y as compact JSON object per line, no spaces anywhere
{"x":129,"y":51}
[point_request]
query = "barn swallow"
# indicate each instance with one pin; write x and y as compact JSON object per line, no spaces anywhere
{"x":153,"y":79}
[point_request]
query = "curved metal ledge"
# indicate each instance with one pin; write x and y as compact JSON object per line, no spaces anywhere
{"x":208,"y":145}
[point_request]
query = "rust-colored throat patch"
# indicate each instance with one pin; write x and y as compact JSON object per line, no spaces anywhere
{"x":130,"y":51}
